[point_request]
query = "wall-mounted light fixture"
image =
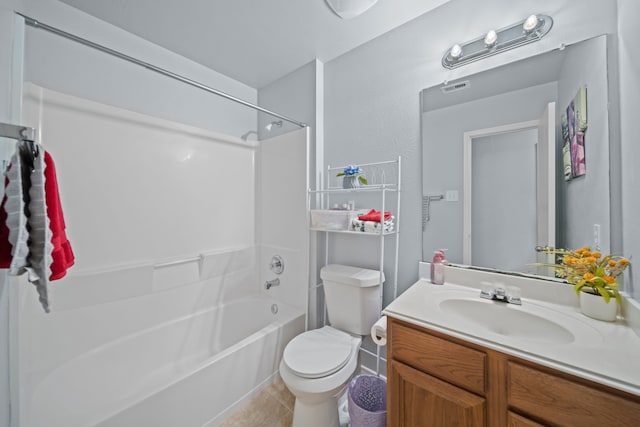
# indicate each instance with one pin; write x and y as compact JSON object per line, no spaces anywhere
{"x":495,"y":41}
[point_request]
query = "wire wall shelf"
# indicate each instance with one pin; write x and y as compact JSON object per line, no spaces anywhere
{"x":379,"y":175}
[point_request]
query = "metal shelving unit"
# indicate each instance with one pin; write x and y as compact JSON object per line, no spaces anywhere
{"x":384,"y":180}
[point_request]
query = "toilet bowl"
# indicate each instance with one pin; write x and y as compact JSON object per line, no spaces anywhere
{"x":316,"y":367}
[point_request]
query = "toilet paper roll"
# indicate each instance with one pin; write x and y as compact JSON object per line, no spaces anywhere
{"x":379,"y":331}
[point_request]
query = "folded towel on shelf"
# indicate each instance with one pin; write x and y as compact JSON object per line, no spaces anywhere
{"x":372,"y":226}
{"x":374,"y":215}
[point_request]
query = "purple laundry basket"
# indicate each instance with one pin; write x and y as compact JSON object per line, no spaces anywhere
{"x":367,"y":397}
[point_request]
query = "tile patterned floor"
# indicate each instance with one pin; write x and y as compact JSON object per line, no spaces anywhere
{"x":272,"y":407}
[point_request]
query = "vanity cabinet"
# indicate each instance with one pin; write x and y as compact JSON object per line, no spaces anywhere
{"x":438,"y":380}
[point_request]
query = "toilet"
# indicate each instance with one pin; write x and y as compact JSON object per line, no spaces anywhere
{"x":317,"y":365}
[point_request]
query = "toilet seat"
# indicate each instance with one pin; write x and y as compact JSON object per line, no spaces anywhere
{"x":318,"y":353}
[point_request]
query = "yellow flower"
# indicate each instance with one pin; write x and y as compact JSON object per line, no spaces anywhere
{"x":582,"y":267}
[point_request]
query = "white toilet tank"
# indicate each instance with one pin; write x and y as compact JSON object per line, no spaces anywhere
{"x":353,"y":297}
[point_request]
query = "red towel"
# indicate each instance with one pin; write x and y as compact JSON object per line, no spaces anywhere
{"x":62,"y":254}
{"x":374,"y":215}
{"x":5,"y":246}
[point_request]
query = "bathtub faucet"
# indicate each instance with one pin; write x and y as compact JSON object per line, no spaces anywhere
{"x":269,"y":283}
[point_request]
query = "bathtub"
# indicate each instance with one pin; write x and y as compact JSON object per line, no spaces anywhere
{"x":191,"y":371}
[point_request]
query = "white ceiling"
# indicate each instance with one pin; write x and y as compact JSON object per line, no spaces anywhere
{"x":253,"y":41}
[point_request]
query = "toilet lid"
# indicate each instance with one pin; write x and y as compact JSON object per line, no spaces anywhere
{"x":318,"y":353}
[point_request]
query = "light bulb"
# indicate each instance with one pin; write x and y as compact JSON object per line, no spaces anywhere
{"x":491,"y":38}
{"x":456,"y":51}
{"x":530,"y":23}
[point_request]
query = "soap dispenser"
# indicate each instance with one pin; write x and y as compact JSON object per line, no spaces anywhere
{"x":437,"y":267}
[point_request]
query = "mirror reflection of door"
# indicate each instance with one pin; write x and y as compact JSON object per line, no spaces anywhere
{"x":509,"y":171}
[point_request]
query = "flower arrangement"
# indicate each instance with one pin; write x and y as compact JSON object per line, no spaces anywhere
{"x":353,"y":170}
{"x":584,"y":268}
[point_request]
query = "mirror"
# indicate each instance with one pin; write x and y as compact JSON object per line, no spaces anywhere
{"x":475,"y":205}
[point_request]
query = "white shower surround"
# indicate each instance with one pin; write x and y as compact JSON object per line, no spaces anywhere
{"x":140,"y":193}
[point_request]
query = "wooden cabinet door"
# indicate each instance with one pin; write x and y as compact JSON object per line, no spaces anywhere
{"x":420,"y":400}
{"x":515,"y":420}
{"x":560,"y":401}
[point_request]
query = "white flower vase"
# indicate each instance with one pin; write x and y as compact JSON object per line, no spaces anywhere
{"x":595,"y":306}
{"x":350,"y":181}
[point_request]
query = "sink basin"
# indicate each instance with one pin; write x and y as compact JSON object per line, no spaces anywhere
{"x":508,"y":320}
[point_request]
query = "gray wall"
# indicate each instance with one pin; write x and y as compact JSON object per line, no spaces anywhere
{"x":443,"y":131}
{"x":586,"y":198}
{"x":629,"y":49}
{"x":372,"y":103}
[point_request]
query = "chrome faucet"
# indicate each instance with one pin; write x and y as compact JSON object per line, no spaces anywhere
{"x":269,"y":283}
{"x":498,"y":293}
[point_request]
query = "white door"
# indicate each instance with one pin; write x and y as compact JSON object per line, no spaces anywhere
{"x":541,"y":226}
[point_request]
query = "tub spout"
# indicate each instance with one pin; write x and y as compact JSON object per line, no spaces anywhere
{"x":269,"y":283}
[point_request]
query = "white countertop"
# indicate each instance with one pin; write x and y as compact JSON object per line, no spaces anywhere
{"x":604,"y":352}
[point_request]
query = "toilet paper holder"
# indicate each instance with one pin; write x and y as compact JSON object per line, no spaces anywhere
{"x":379,"y":332}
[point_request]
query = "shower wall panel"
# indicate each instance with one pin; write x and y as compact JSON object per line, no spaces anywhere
{"x":136,"y":188}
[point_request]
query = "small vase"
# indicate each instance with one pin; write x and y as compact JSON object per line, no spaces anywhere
{"x":350,"y":181}
{"x":594,"y":306}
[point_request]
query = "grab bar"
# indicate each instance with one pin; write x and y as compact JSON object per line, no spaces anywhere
{"x":178,"y":262}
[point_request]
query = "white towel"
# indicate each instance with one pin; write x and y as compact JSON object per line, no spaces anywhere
{"x":40,"y":246}
{"x":16,"y":217}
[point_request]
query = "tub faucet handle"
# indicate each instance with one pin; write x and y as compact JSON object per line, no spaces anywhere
{"x":277,"y":264}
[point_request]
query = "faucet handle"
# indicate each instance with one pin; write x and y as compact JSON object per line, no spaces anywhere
{"x":514,"y":295}
{"x":486,"y":290}
{"x":277,"y":264}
